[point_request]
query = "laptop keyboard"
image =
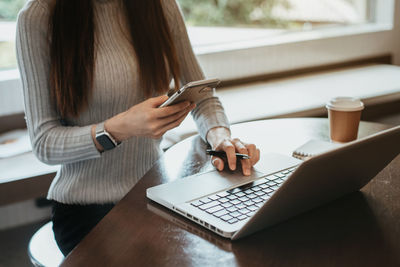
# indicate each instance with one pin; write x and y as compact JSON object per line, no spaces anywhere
{"x":242,"y":202}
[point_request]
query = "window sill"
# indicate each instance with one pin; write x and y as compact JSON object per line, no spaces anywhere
{"x":300,"y":96}
{"x":8,"y":75}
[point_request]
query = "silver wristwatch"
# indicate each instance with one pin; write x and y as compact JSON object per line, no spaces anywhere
{"x":104,"y":138}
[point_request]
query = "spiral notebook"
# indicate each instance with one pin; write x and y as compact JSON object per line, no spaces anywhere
{"x":313,"y":148}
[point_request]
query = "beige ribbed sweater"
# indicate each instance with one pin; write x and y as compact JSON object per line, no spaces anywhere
{"x":86,"y":176}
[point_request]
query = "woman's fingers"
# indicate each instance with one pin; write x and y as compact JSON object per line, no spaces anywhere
{"x":157,"y":101}
{"x":230,"y":151}
{"x":246,"y":163}
{"x":218,"y":163}
{"x":171,"y":110}
{"x":171,"y":124}
{"x":172,"y":118}
{"x":233,"y":146}
{"x":254,"y":153}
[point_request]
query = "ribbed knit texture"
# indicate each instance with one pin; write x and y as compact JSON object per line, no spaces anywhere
{"x":86,"y":176}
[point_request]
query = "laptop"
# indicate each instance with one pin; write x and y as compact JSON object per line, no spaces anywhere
{"x":280,"y":187}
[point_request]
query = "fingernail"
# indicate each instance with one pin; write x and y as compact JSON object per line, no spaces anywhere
{"x":219,"y":165}
{"x":247,"y":172}
{"x":216,"y":163}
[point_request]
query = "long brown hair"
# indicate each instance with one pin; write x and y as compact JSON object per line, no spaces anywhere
{"x":72,"y":50}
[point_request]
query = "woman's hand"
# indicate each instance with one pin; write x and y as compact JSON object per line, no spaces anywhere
{"x":146,"y":119}
{"x":220,"y":139}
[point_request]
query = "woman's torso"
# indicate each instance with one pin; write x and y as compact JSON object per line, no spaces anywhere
{"x":115,"y":89}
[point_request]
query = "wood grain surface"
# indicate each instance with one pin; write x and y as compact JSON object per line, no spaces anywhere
{"x":360,"y":229}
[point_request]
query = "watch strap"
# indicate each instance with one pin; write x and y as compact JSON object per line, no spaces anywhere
{"x":100,"y":127}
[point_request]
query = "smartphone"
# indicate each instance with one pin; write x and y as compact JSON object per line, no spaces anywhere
{"x":192,"y":92}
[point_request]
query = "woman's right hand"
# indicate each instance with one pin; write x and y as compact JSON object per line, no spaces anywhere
{"x":146,"y":119}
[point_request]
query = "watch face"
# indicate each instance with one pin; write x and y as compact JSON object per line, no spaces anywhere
{"x":105,"y":142}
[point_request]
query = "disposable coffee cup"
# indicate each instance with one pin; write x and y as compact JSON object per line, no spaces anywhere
{"x":344,"y":115}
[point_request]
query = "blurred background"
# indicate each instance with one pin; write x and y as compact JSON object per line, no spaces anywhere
{"x":257,"y":17}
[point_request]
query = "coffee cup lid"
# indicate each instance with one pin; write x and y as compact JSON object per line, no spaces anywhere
{"x":345,"y":104}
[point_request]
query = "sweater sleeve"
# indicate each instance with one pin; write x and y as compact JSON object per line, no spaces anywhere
{"x":209,"y":112}
{"x":52,"y":142}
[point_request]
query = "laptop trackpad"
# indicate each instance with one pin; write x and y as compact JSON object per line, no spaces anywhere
{"x":202,"y":184}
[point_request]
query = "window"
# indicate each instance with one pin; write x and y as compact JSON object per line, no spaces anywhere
{"x":288,"y":14}
{"x":8,"y":15}
{"x":216,"y":25}
{"x":237,"y":20}
{"x":237,"y":39}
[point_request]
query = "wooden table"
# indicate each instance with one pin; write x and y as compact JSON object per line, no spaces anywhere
{"x":361,"y":229}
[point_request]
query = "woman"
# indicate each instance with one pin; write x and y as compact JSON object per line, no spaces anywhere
{"x":94,"y":73}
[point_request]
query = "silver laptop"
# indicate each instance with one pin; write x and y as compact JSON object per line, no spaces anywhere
{"x":279,"y":188}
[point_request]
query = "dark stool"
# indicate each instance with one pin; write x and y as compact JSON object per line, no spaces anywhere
{"x":43,"y":249}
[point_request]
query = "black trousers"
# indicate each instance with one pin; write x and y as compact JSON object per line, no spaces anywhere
{"x":71,"y":223}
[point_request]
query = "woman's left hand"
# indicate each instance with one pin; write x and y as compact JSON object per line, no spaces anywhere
{"x":220,"y":140}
